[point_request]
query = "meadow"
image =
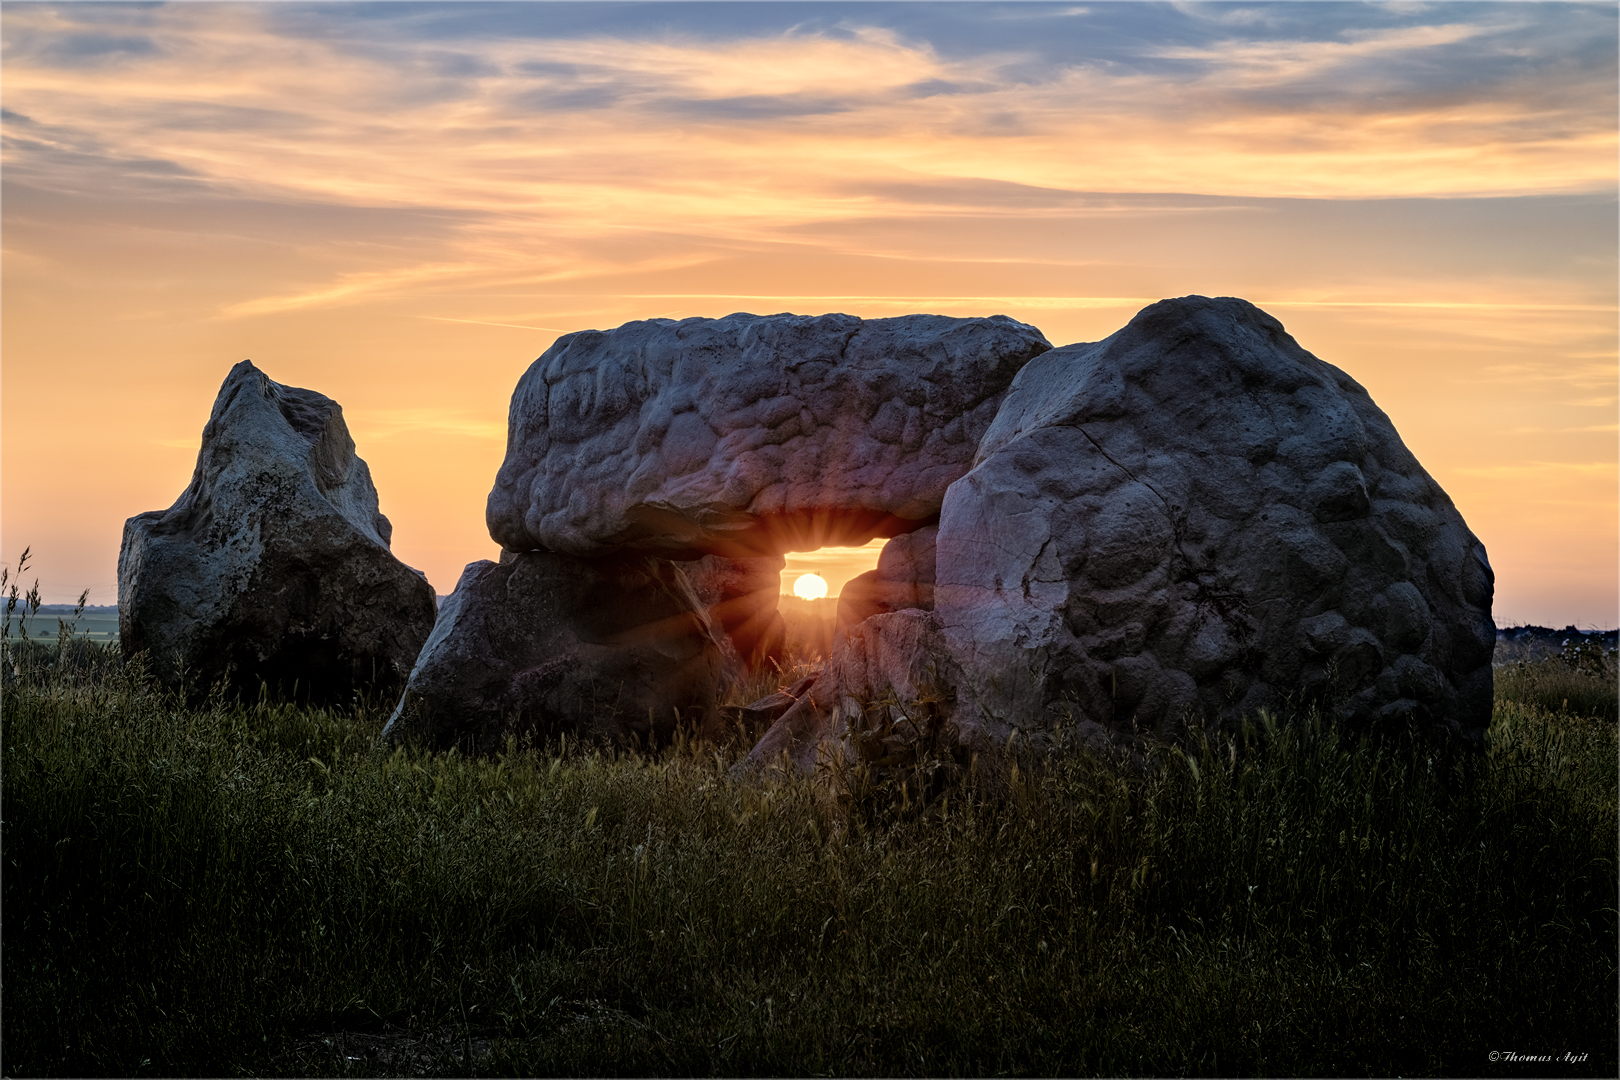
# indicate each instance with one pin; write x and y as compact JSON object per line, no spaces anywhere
{"x":257,"y":889}
{"x":97,"y":624}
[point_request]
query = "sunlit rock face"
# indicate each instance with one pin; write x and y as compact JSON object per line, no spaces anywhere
{"x":273,"y":566}
{"x":748,"y":435}
{"x":1195,"y":517}
{"x":539,"y":644}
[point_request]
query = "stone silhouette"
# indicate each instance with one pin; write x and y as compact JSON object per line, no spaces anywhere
{"x":617,"y":649}
{"x":273,"y":566}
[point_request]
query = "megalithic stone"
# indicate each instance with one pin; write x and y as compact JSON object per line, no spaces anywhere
{"x":1188,"y":522}
{"x":1196,"y":519}
{"x":273,"y":566}
{"x":539,"y":644}
{"x":748,"y":435}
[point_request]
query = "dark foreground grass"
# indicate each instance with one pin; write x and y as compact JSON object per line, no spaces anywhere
{"x":240,"y":890}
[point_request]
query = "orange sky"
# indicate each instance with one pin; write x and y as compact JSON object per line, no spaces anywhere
{"x":401,"y":207}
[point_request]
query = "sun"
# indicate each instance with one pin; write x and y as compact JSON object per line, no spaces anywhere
{"x":810,"y":587}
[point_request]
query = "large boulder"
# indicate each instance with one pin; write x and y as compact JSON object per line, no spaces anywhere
{"x":273,"y":566}
{"x":615,"y":650}
{"x":748,"y":435}
{"x":1195,"y":517}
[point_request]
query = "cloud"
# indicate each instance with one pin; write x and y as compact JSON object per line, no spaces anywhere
{"x":754,"y":107}
{"x":352,"y":286}
{"x":1268,"y":62}
{"x":485,"y":322}
{"x":566,"y":124}
{"x":570,"y":142}
{"x":1590,"y":374}
{"x":1583,"y":430}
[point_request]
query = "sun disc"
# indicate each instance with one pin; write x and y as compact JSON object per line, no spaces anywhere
{"x":810,"y":587}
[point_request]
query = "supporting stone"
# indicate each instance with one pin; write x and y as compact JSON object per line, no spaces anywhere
{"x":617,"y":650}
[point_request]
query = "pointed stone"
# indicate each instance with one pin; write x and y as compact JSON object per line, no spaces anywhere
{"x":273,"y":566}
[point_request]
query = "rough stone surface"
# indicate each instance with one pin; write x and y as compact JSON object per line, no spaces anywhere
{"x":273,"y":565}
{"x":1195,"y":516}
{"x":748,"y":435}
{"x":617,"y":650}
{"x":741,"y":598}
{"x":904,"y":578}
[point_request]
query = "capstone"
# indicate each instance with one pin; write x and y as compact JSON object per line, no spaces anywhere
{"x":748,"y":435}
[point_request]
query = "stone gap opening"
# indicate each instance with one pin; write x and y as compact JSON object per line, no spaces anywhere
{"x":835,"y":565}
{"x":812,"y":624}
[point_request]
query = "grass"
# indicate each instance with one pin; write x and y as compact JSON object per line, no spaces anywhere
{"x":1580,"y":681}
{"x":256,"y":889}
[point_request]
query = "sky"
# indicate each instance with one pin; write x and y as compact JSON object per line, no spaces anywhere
{"x":402,"y":205}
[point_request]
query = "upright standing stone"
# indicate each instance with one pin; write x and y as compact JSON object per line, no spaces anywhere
{"x":1195,"y":517}
{"x":539,"y":644}
{"x":273,"y":566}
{"x":904,"y":578}
{"x":741,"y":598}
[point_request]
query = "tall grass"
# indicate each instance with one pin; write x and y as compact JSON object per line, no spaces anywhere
{"x":257,"y":889}
{"x":1582,"y":680}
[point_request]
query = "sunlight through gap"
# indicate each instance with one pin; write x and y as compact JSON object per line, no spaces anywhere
{"x":833,"y":565}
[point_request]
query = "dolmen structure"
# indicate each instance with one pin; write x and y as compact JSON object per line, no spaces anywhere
{"x":1188,"y":522}
{"x":272,"y":568}
{"x":1183,"y":524}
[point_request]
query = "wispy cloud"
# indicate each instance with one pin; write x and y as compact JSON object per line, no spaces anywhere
{"x":1272,"y":62}
{"x":1586,"y":375}
{"x":486,"y":322}
{"x":348,"y":287}
{"x":1586,"y":429}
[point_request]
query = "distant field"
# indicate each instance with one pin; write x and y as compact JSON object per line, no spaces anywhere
{"x":95,"y":625}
